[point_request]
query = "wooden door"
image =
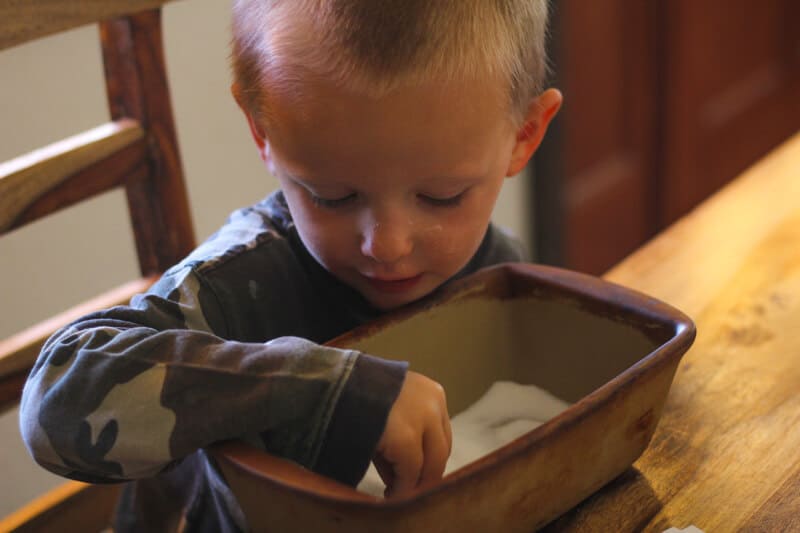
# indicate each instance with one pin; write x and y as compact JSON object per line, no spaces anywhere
{"x":733,"y":76}
{"x":665,"y":101}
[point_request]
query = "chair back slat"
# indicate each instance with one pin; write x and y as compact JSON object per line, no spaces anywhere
{"x":27,"y":178}
{"x":137,"y":151}
{"x":74,"y":506}
{"x":22,"y":21}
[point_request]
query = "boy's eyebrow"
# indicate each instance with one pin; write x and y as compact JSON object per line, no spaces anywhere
{"x":291,"y":175}
{"x":304,"y":180}
{"x":437,"y":179}
{"x":466,"y":178}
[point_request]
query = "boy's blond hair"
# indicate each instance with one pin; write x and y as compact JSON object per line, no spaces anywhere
{"x":376,"y":46}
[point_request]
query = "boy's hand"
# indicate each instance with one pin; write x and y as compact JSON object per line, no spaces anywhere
{"x":415,"y":445}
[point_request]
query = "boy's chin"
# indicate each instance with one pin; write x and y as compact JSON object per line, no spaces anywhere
{"x":388,"y":301}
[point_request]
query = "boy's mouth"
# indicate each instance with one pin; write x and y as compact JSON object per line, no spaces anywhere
{"x":394,"y":285}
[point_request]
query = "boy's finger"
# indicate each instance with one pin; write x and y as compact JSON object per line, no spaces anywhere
{"x":407,"y":465}
{"x":448,"y":433}
{"x":436,"y":447}
{"x":385,"y":470}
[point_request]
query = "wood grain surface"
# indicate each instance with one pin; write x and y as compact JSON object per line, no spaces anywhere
{"x":27,"y":178}
{"x":22,"y":21}
{"x":726,"y":454}
{"x":137,"y":87}
{"x":73,"y":506}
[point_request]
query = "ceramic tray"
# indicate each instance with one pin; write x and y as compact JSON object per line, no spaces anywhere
{"x":610,"y":351}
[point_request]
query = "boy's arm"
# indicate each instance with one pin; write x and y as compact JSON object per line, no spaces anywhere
{"x":126,"y":392}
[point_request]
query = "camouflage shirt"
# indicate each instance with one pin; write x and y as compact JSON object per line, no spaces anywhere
{"x":225,"y":345}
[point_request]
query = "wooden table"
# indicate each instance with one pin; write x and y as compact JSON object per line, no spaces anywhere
{"x":726,"y":454}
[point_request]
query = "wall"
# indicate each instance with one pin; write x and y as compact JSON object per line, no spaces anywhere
{"x":53,"y":88}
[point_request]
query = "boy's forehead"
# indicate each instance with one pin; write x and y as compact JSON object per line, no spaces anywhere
{"x":429,"y":128}
{"x":305,"y":98}
{"x":319,"y":104}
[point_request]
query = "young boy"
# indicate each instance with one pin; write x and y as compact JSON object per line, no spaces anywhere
{"x":390,"y":126}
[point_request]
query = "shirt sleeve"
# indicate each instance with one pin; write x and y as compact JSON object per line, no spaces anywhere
{"x":125,"y":393}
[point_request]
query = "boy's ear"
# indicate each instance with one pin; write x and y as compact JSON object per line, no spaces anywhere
{"x":256,"y":131}
{"x":530,"y":135}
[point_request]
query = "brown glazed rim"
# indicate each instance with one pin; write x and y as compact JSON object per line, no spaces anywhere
{"x":655,"y":319}
{"x":662,"y":323}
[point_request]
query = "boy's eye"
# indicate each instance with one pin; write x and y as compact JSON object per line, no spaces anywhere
{"x":450,"y":201}
{"x":332,"y":203}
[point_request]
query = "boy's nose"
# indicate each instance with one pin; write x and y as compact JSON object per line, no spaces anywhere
{"x":387,"y":242}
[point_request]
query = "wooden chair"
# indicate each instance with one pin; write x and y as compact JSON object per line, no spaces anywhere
{"x":137,"y":150}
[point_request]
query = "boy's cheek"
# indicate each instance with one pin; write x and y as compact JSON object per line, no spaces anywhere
{"x":460,"y":237}
{"x":441,"y":239}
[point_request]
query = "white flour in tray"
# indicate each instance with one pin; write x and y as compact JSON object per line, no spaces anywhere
{"x":506,"y":411}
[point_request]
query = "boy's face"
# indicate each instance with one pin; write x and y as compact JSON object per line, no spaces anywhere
{"x":392,"y":196}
